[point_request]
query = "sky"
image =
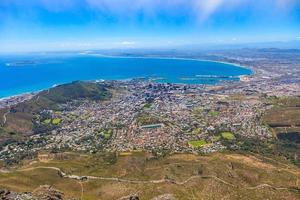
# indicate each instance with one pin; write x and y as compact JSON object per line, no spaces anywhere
{"x":53,"y":25}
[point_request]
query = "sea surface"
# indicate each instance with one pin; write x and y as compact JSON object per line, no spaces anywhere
{"x":29,"y":73}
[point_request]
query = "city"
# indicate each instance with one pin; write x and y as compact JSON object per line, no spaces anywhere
{"x":149,"y":100}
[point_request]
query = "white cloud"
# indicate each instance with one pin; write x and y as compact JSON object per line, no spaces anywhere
{"x":127,"y":43}
{"x":205,"y":8}
{"x":202,"y":9}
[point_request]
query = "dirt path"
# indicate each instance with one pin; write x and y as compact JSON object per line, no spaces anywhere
{"x":64,"y":175}
{"x":81,"y":185}
{"x":284,"y":167}
{"x":159,"y":181}
{"x":4,"y":116}
{"x":261,"y":186}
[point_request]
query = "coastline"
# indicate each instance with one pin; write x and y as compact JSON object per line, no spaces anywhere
{"x":17,"y":96}
{"x":175,"y":58}
{"x":9,"y":101}
{"x":33,"y":93}
{"x":242,"y":78}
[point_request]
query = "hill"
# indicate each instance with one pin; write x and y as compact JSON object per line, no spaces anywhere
{"x":18,"y":120}
{"x":137,"y":174}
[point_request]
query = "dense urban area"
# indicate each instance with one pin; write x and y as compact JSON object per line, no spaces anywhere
{"x":258,"y":114}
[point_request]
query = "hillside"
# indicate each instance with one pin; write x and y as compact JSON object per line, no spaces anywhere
{"x":137,"y":174}
{"x":17,"y":121}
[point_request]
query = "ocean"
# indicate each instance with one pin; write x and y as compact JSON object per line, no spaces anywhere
{"x":29,"y":73}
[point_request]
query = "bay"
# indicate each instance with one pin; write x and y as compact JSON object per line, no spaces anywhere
{"x":22,"y":74}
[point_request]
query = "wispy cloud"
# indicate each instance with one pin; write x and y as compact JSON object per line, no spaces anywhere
{"x":128,"y":43}
{"x":205,"y":8}
{"x":178,"y":21}
{"x":129,"y":7}
{"x":202,"y":9}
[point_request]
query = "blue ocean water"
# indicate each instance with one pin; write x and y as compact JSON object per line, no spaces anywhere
{"x":21,"y":74}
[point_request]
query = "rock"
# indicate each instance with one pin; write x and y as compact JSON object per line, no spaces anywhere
{"x":9,"y":195}
{"x":134,"y":198}
{"x":46,"y":192}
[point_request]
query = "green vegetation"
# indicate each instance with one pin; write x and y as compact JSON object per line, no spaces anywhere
{"x":107,"y":134}
{"x":76,"y":90}
{"x":47,"y":121}
{"x":197,"y":143}
{"x":227,"y":136}
{"x":216,"y":138}
{"x":213,"y":113}
{"x":147,"y":105}
{"x":56,"y":121}
{"x":284,"y":101}
{"x":22,"y":116}
{"x":285,"y":113}
{"x":197,"y":110}
{"x":146,"y":119}
{"x":196,"y":131}
{"x":284,"y":118}
{"x":280,"y":149}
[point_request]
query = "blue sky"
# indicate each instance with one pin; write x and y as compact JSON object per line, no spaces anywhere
{"x":42,"y":25}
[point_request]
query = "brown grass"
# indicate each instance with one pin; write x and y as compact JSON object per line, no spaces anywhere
{"x":240,"y":171}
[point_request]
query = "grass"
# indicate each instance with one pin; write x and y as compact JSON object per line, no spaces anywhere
{"x":107,"y":134}
{"x":33,"y":179}
{"x":216,"y":137}
{"x":146,"y":119}
{"x":244,"y":171}
{"x":56,"y":121}
{"x":197,"y":110}
{"x":47,"y":121}
{"x":147,"y":106}
{"x":196,"y":131}
{"x":213,"y":113}
{"x":228,"y":136}
{"x":125,"y":153}
{"x":197,"y":143}
{"x":284,"y":117}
